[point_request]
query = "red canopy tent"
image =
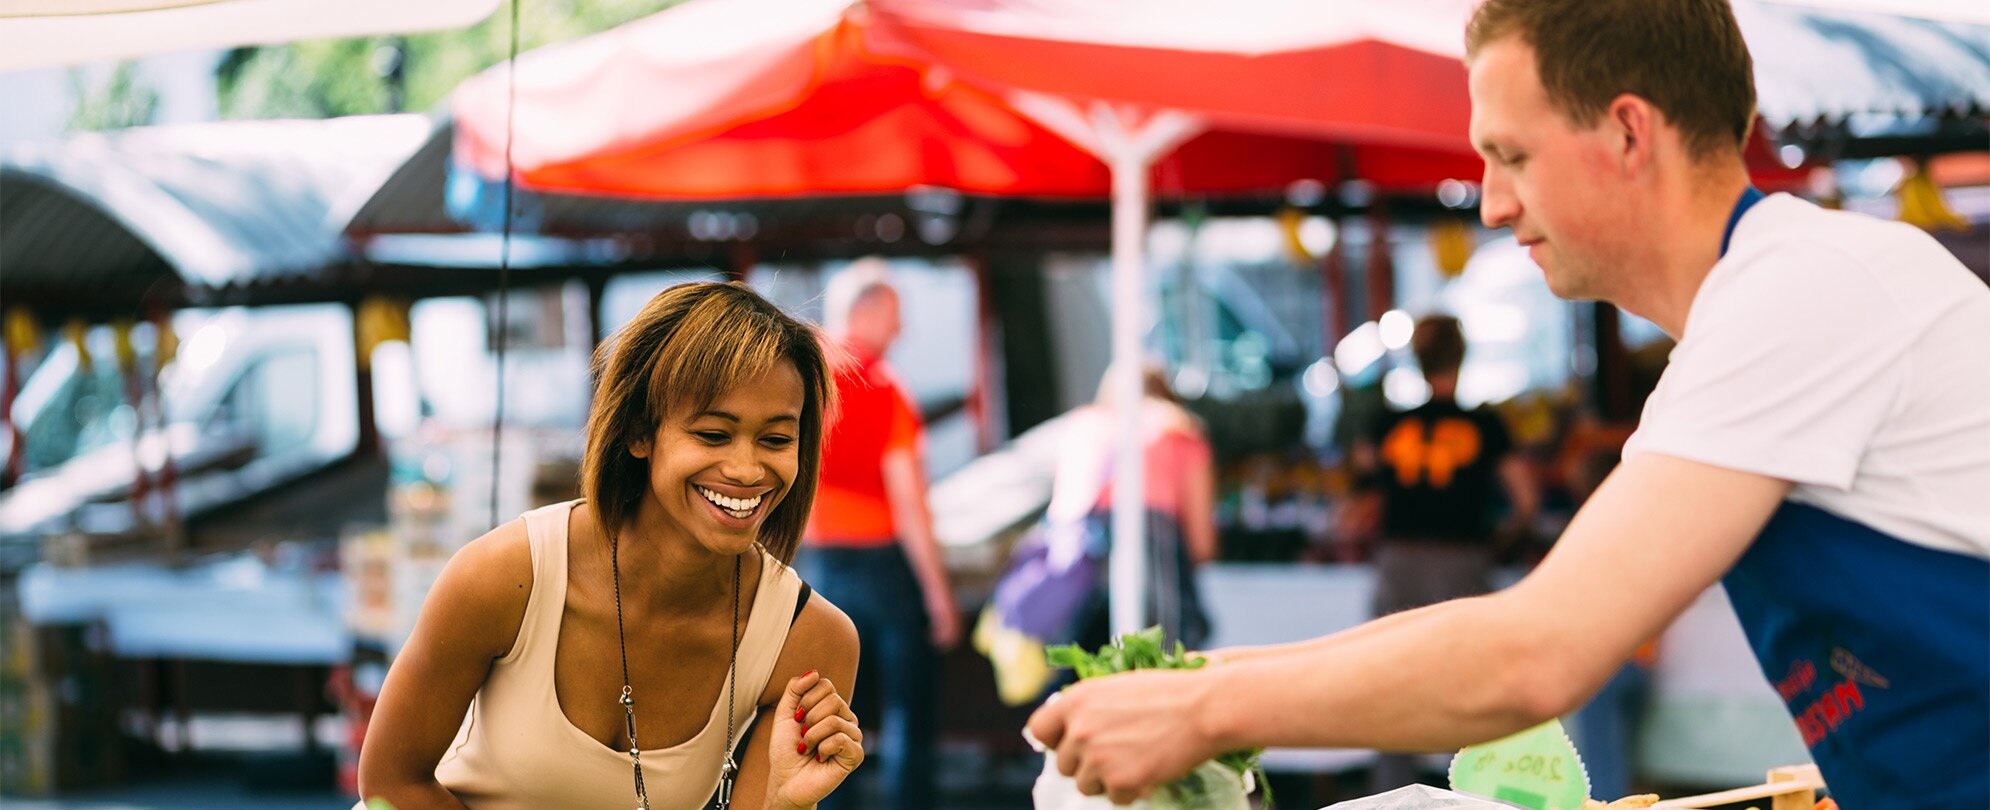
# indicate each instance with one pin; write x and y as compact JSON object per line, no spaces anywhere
{"x":753,"y":98}
{"x":756,"y":98}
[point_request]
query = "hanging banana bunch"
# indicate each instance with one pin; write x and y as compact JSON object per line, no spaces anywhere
{"x":1289,"y":221}
{"x":1921,"y":203}
{"x":1451,"y":245}
{"x":127,"y":354}
{"x":78,"y":334}
{"x":23,"y":334}
{"x":381,"y":319}
{"x":168,"y":345}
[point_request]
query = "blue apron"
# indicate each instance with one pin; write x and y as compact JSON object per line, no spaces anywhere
{"x":1880,"y":648}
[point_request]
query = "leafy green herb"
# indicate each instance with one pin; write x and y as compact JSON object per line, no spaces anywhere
{"x":1148,"y":649}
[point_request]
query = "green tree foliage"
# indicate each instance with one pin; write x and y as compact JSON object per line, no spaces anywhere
{"x":325,"y":78}
{"x":121,"y":102}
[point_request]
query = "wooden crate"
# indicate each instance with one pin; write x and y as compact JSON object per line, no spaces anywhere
{"x":1788,"y":788}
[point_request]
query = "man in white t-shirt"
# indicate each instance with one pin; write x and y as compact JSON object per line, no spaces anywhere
{"x":1820,"y":445}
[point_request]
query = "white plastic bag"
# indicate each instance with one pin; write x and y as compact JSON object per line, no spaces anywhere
{"x":1420,"y":797}
{"x":1208,"y":787}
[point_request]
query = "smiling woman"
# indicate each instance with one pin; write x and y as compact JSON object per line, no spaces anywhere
{"x":550,"y":643}
{"x":660,"y":382}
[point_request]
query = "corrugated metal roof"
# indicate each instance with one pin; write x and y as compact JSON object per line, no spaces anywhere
{"x":1816,"y":64}
{"x":410,"y":199}
{"x":423,"y":196}
{"x":211,"y":204}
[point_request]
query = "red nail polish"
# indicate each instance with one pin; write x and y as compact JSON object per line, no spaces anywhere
{"x":818,"y":758}
{"x":801,"y":748}
{"x":799,"y":714}
{"x":804,"y":729}
{"x":808,"y":673}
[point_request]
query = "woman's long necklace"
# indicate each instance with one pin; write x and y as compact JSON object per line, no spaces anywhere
{"x":730,"y":769}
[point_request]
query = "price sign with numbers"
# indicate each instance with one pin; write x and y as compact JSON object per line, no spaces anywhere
{"x":1536,"y":768}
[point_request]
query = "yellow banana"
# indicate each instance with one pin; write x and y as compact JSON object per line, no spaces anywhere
{"x":1922,"y":205}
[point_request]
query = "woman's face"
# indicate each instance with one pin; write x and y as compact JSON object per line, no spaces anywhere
{"x":717,"y":474}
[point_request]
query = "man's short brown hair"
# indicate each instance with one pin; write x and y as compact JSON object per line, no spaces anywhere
{"x":1439,"y":344}
{"x":1686,"y":57}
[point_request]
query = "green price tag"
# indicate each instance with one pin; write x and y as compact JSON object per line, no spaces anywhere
{"x":1536,"y":768}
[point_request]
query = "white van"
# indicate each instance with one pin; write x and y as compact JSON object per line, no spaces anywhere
{"x":254,"y":398}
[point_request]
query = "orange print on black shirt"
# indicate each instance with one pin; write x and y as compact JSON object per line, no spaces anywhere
{"x":1450,"y":445}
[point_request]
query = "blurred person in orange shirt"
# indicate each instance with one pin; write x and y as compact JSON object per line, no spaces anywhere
{"x":869,"y":546}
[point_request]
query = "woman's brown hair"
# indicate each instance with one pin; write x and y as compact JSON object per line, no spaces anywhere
{"x":689,"y":346}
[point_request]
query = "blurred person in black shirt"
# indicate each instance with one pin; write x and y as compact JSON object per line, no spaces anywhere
{"x":1438,"y":469}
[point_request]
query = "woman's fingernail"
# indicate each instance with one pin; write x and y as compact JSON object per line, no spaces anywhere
{"x":808,"y":673}
{"x":799,"y":714}
{"x":801,"y":748}
{"x":818,"y":758}
{"x":804,"y":729}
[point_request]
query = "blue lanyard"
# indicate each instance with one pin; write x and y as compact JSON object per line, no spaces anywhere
{"x":1749,"y":197}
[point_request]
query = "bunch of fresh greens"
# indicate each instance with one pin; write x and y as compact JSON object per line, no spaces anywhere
{"x":1148,"y":649}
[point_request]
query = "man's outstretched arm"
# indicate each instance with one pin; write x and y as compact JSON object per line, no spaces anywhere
{"x":1655,"y":535}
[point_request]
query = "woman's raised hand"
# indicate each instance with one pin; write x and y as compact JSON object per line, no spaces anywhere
{"x":816,"y":743}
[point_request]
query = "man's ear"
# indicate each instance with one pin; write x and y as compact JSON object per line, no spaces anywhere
{"x":1633,"y":123}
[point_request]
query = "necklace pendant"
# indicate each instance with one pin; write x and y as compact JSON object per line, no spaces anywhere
{"x":727,"y":773}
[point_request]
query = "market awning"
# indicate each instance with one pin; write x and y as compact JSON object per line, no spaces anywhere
{"x":785,"y":97}
{"x":428,"y":195}
{"x":48,"y":33}
{"x":752,"y":98}
{"x":758,"y":98}
{"x":1262,"y":64}
{"x":99,"y":219}
{"x":1379,"y":73}
{"x":1817,"y":64}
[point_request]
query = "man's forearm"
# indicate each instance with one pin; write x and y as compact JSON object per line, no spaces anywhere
{"x":1437,"y":678}
{"x":1474,"y":669}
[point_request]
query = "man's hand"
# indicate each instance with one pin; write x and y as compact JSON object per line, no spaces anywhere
{"x":1124,"y":735}
{"x":945,"y":619}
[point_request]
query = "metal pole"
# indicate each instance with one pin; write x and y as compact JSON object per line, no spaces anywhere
{"x":1129,"y":497}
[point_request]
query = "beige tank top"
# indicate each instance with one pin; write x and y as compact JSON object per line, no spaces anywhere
{"x":517,"y":750}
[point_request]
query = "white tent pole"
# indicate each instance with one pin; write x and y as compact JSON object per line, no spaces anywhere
{"x":1129,"y":497}
{"x":1129,"y":154}
{"x":1129,"y":144}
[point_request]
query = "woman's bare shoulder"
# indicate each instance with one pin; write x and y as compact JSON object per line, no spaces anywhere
{"x":822,"y":638}
{"x":484,"y":590}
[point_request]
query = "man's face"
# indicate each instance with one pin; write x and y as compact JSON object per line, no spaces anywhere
{"x":874,"y":321}
{"x":1556,"y":185}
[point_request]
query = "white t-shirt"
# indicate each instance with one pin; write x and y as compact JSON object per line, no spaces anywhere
{"x":1847,"y":355}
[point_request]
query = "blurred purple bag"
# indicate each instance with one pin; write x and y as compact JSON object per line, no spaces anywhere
{"x":1051,"y":573}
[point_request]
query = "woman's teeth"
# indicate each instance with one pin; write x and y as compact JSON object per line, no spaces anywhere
{"x":736,"y":507}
